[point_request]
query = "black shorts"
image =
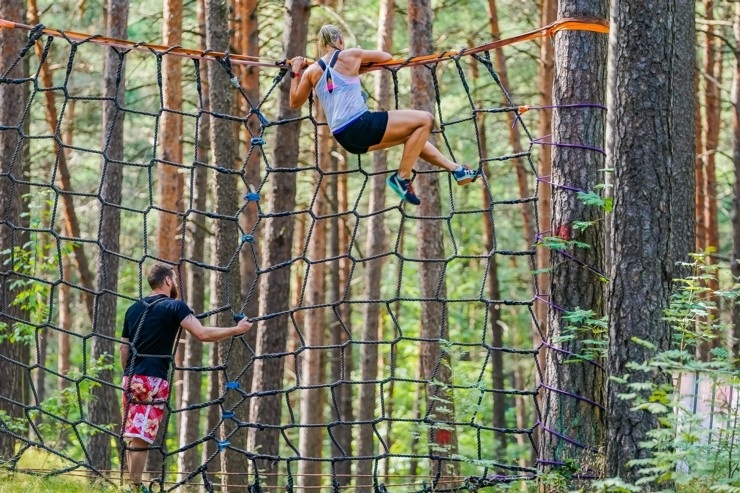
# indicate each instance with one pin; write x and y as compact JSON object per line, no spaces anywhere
{"x":364,"y":132}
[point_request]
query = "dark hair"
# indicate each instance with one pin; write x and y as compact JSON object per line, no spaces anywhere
{"x":158,"y":273}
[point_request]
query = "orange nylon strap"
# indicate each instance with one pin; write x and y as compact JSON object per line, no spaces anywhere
{"x":565,"y":24}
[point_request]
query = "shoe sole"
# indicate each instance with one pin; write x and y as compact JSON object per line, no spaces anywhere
{"x":465,"y":181}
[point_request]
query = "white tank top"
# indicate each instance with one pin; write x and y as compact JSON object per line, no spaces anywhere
{"x":344,"y":104}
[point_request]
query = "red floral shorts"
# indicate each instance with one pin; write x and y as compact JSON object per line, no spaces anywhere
{"x":144,"y":399}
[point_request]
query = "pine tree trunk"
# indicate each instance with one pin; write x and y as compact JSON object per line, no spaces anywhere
{"x":544,"y":169}
{"x":374,"y":244}
{"x":104,"y":405}
{"x":514,"y":139}
{"x":735,"y":342}
{"x":233,"y":353}
{"x":190,"y":427}
{"x":573,"y":397}
{"x":342,"y":366}
{"x":313,"y":361}
{"x":434,"y":327}
{"x":278,"y":238}
{"x":13,"y":167}
{"x":250,"y":46}
{"x":651,"y":90}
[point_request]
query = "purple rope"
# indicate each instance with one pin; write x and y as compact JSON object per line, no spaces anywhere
{"x":592,"y":269}
{"x":542,"y":179}
{"x":568,"y":353}
{"x":538,"y":237}
{"x":538,"y":297}
{"x":565,"y":438}
{"x":575,"y":396}
{"x":560,"y":144}
{"x":550,"y":462}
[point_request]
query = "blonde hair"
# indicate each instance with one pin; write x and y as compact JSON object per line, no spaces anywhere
{"x":328,"y":36}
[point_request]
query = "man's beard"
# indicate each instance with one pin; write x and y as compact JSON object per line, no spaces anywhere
{"x":174,"y":293}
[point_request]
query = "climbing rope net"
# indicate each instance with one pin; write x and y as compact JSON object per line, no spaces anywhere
{"x":421,"y":400}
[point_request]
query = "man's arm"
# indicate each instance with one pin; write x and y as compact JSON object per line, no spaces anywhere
{"x":124,"y":351}
{"x":213,"y":334}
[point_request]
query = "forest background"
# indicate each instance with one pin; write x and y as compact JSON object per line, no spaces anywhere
{"x":89,"y":409}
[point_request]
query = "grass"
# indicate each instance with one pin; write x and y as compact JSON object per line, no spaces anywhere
{"x":17,"y":482}
{"x":77,"y":481}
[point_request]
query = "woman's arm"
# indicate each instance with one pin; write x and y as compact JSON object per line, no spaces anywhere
{"x":375,"y":56}
{"x":300,"y":85}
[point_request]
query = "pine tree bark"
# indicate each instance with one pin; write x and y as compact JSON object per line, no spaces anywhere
{"x":434,"y":327}
{"x":13,"y":167}
{"x":374,"y":245}
{"x":188,"y":460}
{"x":170,"y":183}
{"x":250,"y":45}
{"x":735,"y":341}
{"x":104,"y":405}
{"x":278,"y":238}
{"x":651,"y":91}
{"x":573,"y":396}
{"x":312,"y":359}
{"x":233,"y":353}
{"x":494,"y":309}
{"x":544,"y":169}
{"x":514,"y":139}
{"x":341,"y":365}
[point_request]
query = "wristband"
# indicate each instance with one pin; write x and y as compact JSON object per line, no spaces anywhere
{"x":293,"y":75}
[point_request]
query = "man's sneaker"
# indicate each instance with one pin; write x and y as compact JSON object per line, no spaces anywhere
{"x":464,"y":175}
{"x":403,"y":188}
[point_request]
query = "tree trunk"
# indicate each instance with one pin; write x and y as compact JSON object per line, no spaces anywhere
{"x":312,"y":359}
{"x":193,"y":357}
{"x":72,"y":225}
{"x":278,"y":238}
{"x":233,"y":353}
{"x":735,"y":342}
{"x":700,"y":194}
{"x":494,"y":309}
{"x":514,"y":139}
{"x":544,"y":169}
{"x":342,"y":367}
{"x":170,"y":183}
{"x":434,"y":328}
{"x":170,"y":180}
{"x":573,"y":399}
{"x":66,"y":316}
{"x":104,"y":405}
{"x":712,"y":107}
{"x":713,"y":82}
{"x":249,"y":43}
{"x":374,"y":244}
{"x":651,"y":90}
{"x":13,"y":167}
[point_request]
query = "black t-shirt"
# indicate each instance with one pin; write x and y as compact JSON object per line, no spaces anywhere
{"x":151,"y":326}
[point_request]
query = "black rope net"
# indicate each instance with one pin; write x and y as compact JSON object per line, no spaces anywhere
{"x":426,"y":431}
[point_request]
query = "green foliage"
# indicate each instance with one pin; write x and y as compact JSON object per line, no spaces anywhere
{"x":590,"y":333}
{"x":70,"y":483}
{"x":593,"y":198}
{"x":694,"y":451}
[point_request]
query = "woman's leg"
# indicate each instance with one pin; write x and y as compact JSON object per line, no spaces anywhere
{"x":412,"y":129}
